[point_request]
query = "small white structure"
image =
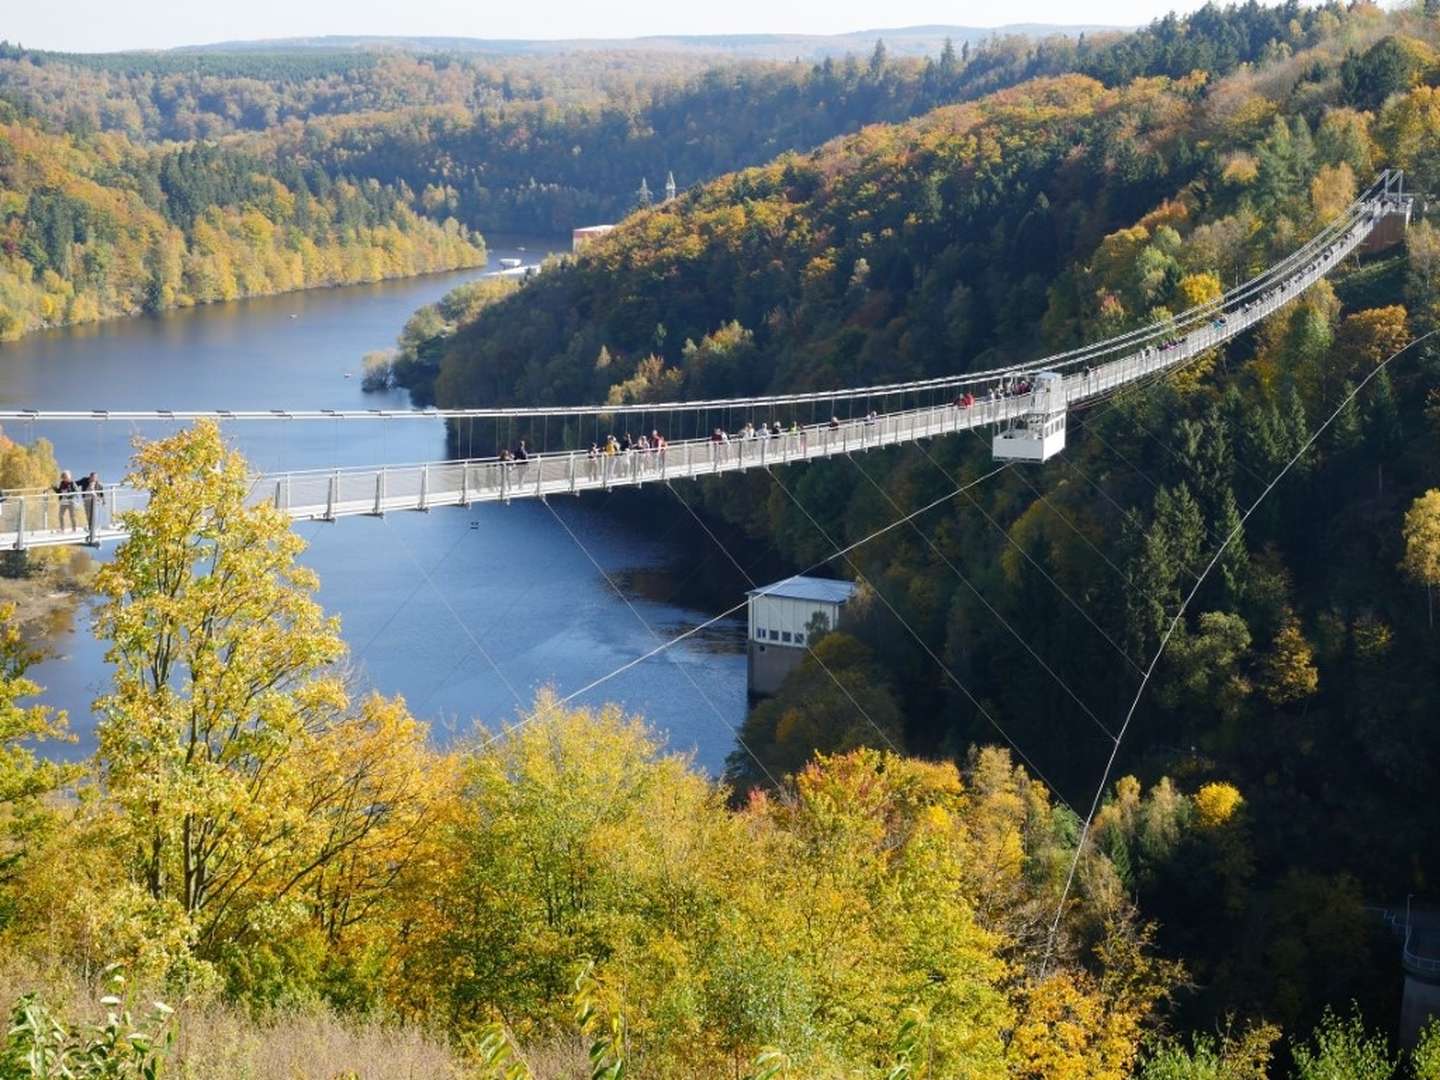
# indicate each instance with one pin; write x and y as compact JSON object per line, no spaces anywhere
{"x":586,"y":233}
{"x":781,"y":617}
{"x":1037,"y":433}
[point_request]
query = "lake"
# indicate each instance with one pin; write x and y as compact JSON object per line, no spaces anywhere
{"x":462,"y":611}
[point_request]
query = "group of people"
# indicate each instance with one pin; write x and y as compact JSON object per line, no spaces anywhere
{"x":773,"y":430}
{"x":1006,"y":388}
{"x":651,"y":447}
{"x":88,"y":490}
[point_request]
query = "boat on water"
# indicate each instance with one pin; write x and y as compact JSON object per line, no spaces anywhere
{"x":510,"y":264}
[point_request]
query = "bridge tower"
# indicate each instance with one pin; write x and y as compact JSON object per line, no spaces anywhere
{"x":1393,"y":214}
{"x":1037,"y":431}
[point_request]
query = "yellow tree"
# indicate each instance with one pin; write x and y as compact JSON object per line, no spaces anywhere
{"x":1332,"y":190}
{"x":24,"y":777}
{"x":1077,"y":1026}
{"x":1422,"y":544}
{"x":249,"y":795}
{"x":1288,"y":671}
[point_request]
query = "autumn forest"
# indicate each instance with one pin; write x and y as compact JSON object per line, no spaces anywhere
{"x":267,"y":869}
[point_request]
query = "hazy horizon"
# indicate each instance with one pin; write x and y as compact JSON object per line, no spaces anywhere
{"x":95,"y":26}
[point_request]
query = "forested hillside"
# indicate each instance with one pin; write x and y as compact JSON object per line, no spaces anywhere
{"x":541,"y":166}
{"x":133,"y":182}
{"x":1060,"y":211}
{"x":92,"y":227}
{"x":507,"y":143}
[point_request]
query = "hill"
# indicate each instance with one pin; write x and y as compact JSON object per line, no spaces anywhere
{"x":1058,"y":211}
{"x":901,"y":41}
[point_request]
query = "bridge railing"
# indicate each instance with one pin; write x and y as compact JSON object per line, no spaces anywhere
{"x":44,"y":517}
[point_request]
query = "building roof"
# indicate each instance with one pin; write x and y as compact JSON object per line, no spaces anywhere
{"x":817,"y":590}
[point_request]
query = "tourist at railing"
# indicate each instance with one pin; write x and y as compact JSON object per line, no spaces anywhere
{"x":521,"y":457}
{"x":94,"y":492}
{"x":69,"y":493}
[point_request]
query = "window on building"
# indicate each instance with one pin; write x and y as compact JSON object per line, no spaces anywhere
{"x":774,"y":635}
{"x":785,"y":635}
{"x":759,"y":633}
{"x":799,"y":637}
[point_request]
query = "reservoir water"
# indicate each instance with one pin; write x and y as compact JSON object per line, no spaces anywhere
{"x":463,"y":611}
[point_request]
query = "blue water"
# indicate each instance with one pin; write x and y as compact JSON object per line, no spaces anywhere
{"x":465,"y":612}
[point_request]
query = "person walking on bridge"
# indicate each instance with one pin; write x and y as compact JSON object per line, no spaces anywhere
{"x":93,"y":492}
{"x":69,"y":494}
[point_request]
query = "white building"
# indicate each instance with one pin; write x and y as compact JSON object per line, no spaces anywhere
{"x":780,"y":621}
{"x":583,"y":235}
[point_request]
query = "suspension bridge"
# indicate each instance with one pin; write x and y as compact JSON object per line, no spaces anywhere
{"x":1024,"y":406}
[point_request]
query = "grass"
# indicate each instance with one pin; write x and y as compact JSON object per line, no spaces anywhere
{"x":215,"y":1041}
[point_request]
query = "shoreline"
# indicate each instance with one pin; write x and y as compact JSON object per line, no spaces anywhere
{"x":71,"y":327}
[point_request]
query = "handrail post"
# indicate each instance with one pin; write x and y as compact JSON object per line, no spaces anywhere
{"x":331,"y":494}
{"x":20,"y":525}
{"x":380,"y":492}
{"x":425,"y":486}
{"x":572,"y":472}
{"x":465,"y":483}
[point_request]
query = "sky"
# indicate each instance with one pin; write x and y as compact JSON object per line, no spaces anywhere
{"x":108,"y":25}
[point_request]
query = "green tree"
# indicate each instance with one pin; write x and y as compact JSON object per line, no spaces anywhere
{"x":1341,"y":1048}
{"x":1231,"y":1056}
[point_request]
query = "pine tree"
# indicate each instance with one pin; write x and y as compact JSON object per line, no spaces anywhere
{"x":1235,"y":560}
{"x":1346,"y":434}
{"x":947,"y":58}
{"x":1383,"y":430}
{"x":877,"y":59}
{"x":1295,"y":430}
{"x":1178,"y":515}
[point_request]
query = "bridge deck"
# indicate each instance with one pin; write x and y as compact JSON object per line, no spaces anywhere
{"x":35,"y":520}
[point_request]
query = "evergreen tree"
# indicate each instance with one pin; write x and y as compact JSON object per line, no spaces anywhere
{"x":877,"y":59}
{"x":1346,"y":433}
{"x":1383,"y":430}
{"x":947,"y":58}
